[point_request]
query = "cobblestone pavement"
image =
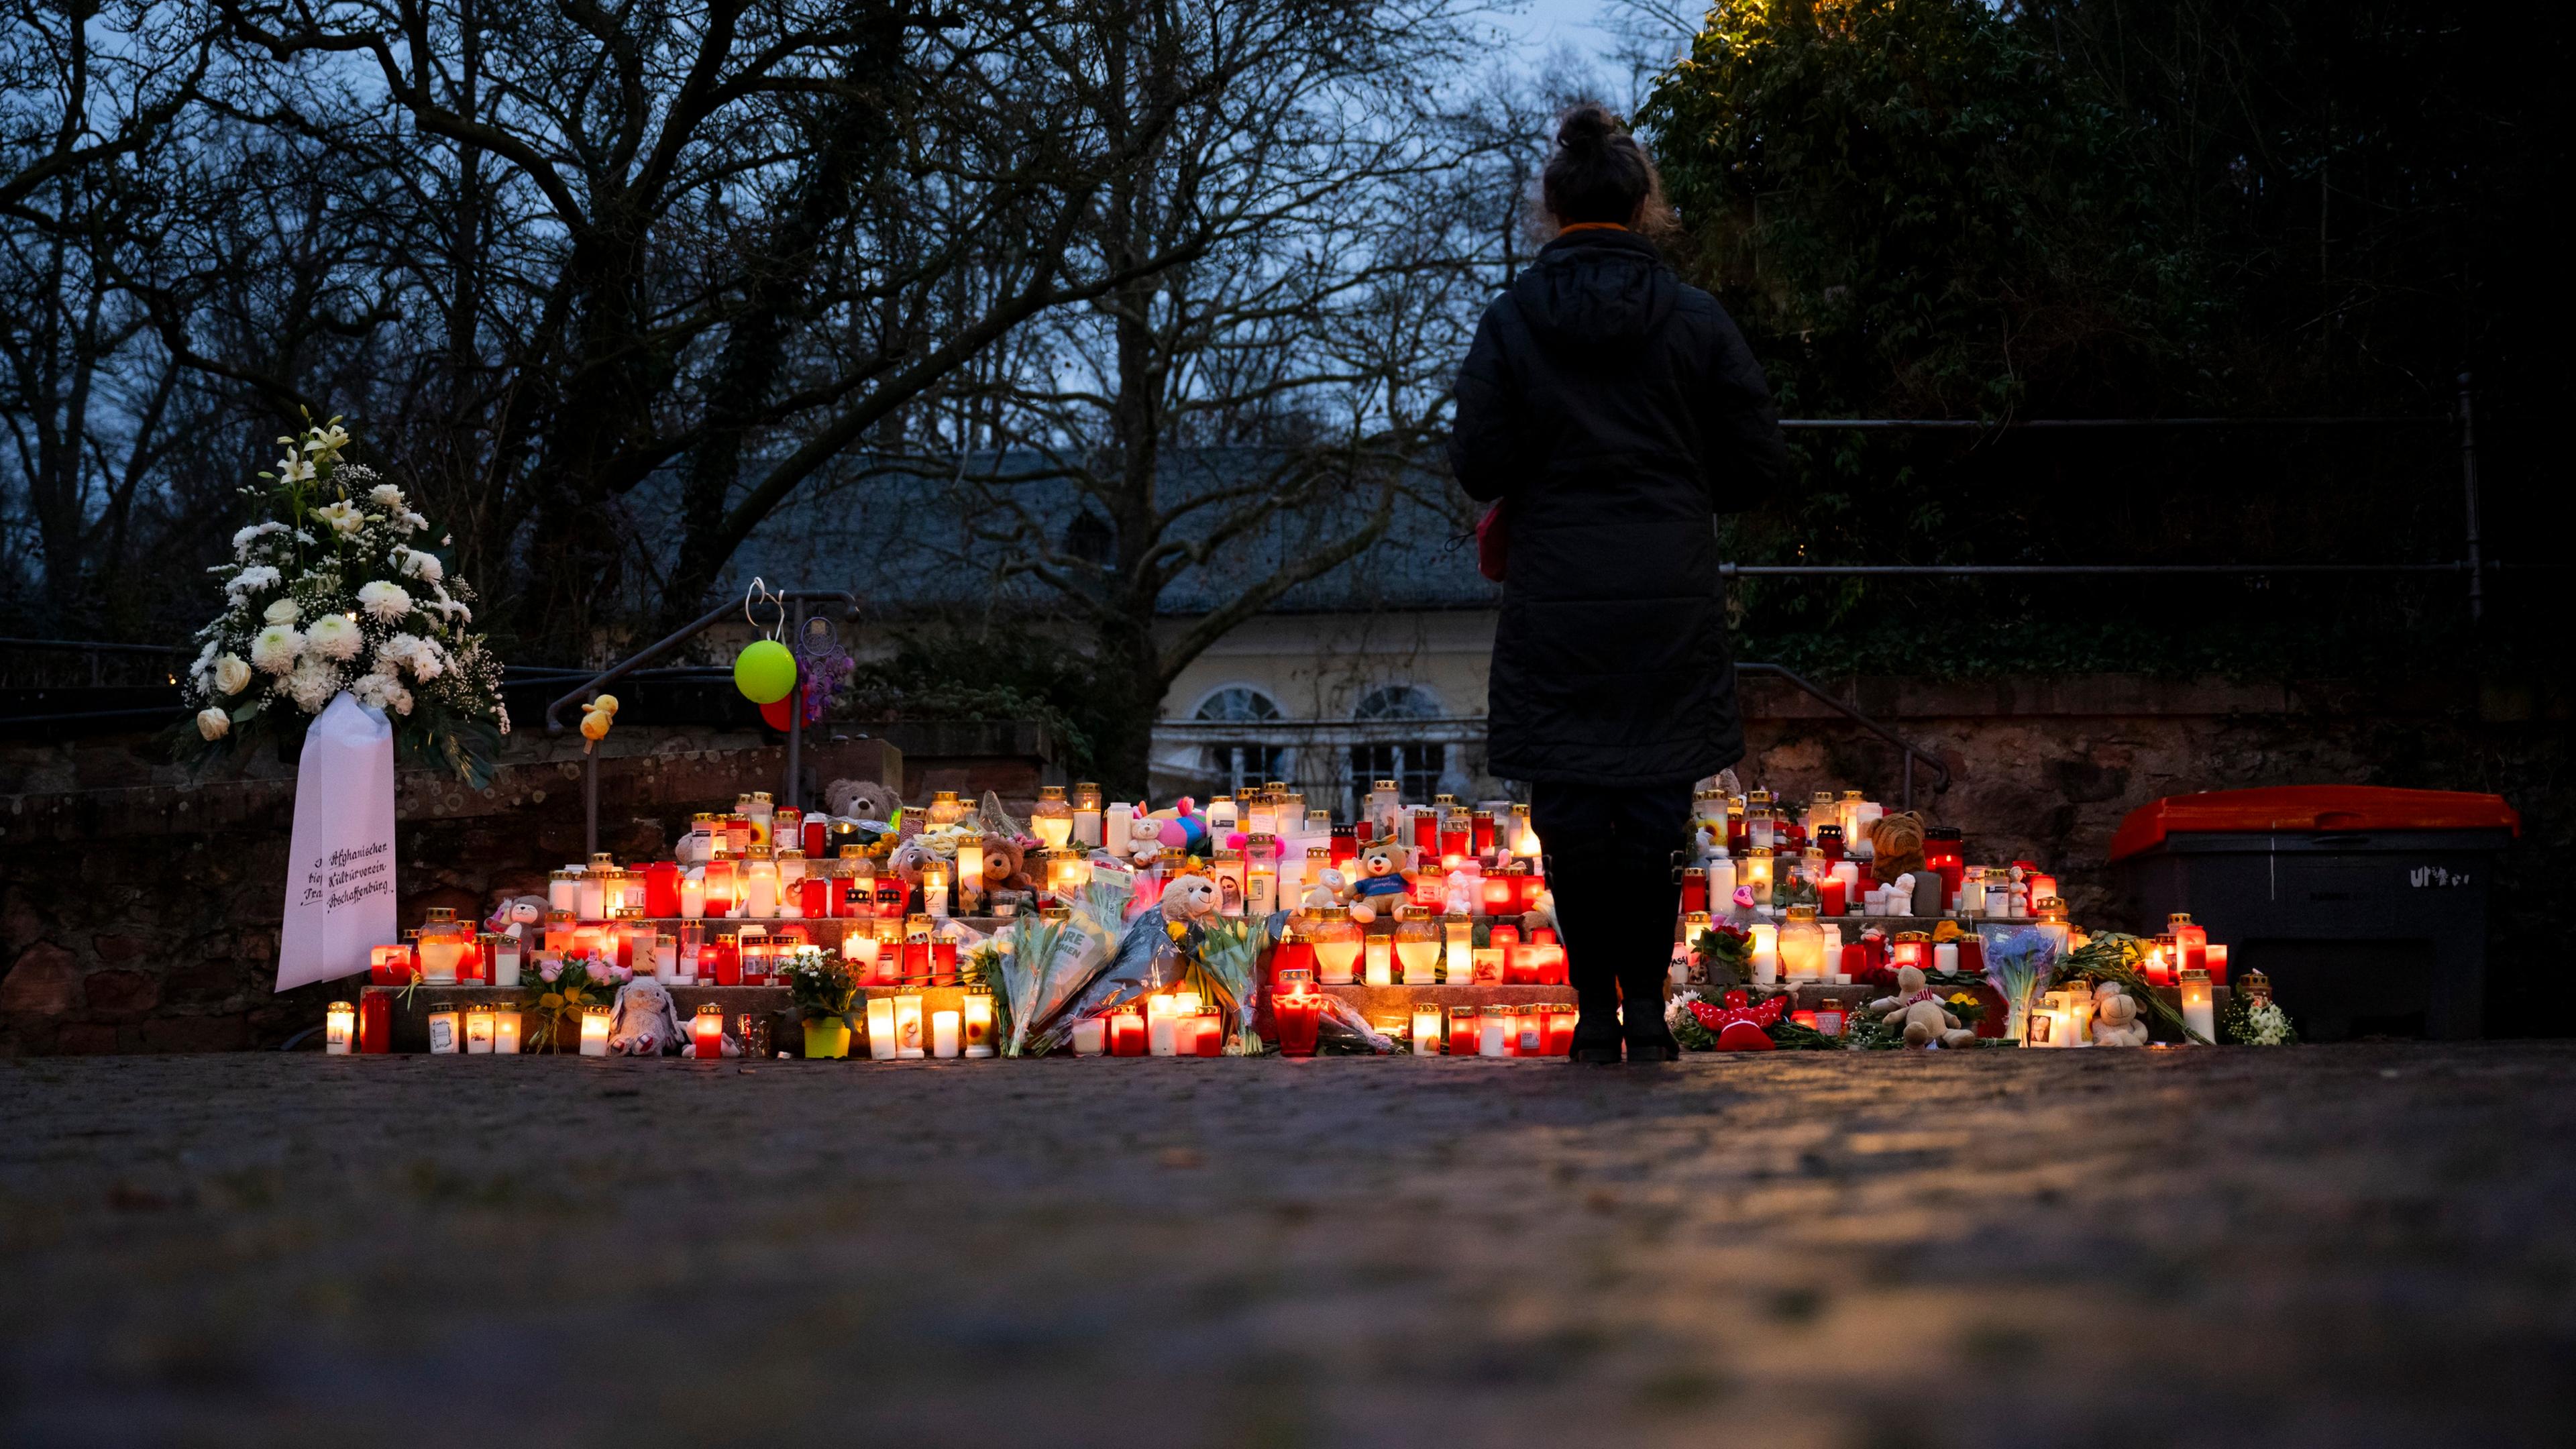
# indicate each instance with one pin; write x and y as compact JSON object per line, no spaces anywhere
{"x":2366,"y":1245}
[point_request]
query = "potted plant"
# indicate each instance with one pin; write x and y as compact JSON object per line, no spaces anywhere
{"x":824,"y":991}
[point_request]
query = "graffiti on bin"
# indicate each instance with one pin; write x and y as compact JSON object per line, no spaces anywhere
{"x":2434,"y":875}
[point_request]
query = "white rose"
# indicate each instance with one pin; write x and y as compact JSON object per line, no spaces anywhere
{"x":384,"y":602}
{"x":232,"y":676}
{"x":387,"y":497}
{"x":214,"y":724}
{"x":335,"y":636}
{"x":275,"y":648}
{"x":282,"y":612}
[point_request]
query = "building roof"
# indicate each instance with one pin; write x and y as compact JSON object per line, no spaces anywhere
{"x":921,"y":534}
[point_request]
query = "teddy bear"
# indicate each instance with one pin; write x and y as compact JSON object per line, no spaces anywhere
{"x":860,"y":800}
{"x":517,"y":917}
{"x":644,"y":1023}
{"x":1331,"y":888}
{"x":1144,"y":842}
{"x":1381,"y":880}
{"x":2116,"y":1020}
{"x":1897,"y":840}
{"x":1916,"y":1011}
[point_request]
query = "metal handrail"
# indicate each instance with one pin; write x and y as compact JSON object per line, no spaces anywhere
{"x":793,"y":600}
{"x":1910,"y":751}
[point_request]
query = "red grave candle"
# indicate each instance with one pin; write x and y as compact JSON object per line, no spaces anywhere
{"x":943,"y":963}
{"x":1426,"y":832}
{"x":1456,"y":844}
{"x":662,"y":890}
{"x":818,"y":834}
{"x":1694,"y":889}
{"x":1127,"y":1034}
{"x":707,"y":1028}
{"x":1831,"y":896}
{"x":1501,"y":895}
{"x":1345,"y":845}
{"x":1463,"y":1032}
{"x":1560,"y":1032}
{"x":1211,"y":1042}
{"x":1481,"y":828}
{"x":376,"y":1023}
{"x":2216,"y":956}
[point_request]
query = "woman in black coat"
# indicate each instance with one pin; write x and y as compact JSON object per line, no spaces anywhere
{"x":1613,"y":410}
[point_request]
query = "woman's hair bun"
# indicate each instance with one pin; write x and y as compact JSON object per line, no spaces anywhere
{"x":1588,"y":124}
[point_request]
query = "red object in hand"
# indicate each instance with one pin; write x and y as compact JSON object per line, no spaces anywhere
{"x":1493,"y":542}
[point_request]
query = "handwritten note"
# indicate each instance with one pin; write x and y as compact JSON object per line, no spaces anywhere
{"x":340,"y":892}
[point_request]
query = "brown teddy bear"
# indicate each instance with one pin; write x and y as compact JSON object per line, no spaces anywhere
{"x":1897,"y":840}
{"x":1378,"y":881}
{"x":2116,"y":1020}
{"x":1918,"y":1012}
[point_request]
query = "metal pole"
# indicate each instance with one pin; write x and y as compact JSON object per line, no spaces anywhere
{"x":589,"y":803}
{"x":2469,"y":484}
{"x":795,"y":705}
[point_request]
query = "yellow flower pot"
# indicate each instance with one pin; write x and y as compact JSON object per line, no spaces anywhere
{"x":827,"y":1036}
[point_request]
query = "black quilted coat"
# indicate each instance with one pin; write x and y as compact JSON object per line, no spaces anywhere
{"x":1614,"y":409}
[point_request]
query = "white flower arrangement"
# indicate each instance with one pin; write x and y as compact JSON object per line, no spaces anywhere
{"x":2267,"y":1025}
{"x":331,"y":594}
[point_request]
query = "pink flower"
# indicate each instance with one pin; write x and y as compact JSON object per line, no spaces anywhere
{"x":597,"y":971}
{"x":624,"y":974}
{"x":550,"y":970}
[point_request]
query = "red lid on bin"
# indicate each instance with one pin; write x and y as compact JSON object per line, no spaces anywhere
{"x":2311,"y":808}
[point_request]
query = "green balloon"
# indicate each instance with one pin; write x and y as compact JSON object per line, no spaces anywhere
{"x":764,"y":671}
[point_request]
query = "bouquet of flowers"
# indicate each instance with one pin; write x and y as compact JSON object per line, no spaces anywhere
{"x":326,"y":593}
{"x":821,"y":983}
{"x":573,"y":984}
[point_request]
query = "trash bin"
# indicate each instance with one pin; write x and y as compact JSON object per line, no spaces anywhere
{"x":2366,"y":906}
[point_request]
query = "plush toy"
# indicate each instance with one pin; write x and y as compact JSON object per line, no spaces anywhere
{"x":907,"y":859}
{"x":1381,"y":880}
{"x":517,"y":917}
{"x":1542,"y":912}
{"x":2116,"y":1021}
{"x":644,"y":1022}
{"x":1331,"y":888}
{"x":1188,"y":898}
{"x":1897,"y":840}
{"x":1144,"y":842}
{"x":860,"y":800}
{"x":597,"y":716}
{"x":1917,"y":1011}
{"x":1005,"y":866}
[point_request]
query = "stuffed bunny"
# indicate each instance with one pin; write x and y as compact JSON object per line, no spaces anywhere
{"x":644,"y":1022}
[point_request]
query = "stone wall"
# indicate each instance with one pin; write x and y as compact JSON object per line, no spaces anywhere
{"x":144,"y":917}
{"x":2046,"y":768}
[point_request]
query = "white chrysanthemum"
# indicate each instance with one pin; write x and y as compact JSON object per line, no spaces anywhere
{"x":384,"y":601}
{"x":413,"y":523}
{"x":251,"y":581}
{"x":387,"y":497}
{"x":205,"y":660}
{"x":276,"y":647}
{"x":283,"y":611}
{"x":214,"y":724}
{"x":1678,"y":1006}
{"x":312,"y":685}
{"x":343,"y":517}
{"x":422,"y":566}
{"x":426,"y":662}
{"x":335,"y":636}
{"x":232,"y":676}
{"x":398,"y":699}
{"x":253,"y":534}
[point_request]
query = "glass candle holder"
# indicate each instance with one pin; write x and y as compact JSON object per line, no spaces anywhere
{"x":1802,"y":946}
{"x":1428,"y":1029}
{"x":1052,"y":820}
{"x":1086,"y":815}
{"x":1091,"y":1037}
{"x":1299,"y":1011}
{"x":505,"y":1030}
{"x":478,"y":1029}
{"x":1462,"y":1031}
{"x":1417,"y":949}
{"x":978,"y":1021}
{"x":446,"y":1033}
{"x":909,"y":1042}
{"x":1458,"y":951}
{"x":1380,"y":953}
{"x":339,"y":1029}
{"x":1488,"y":965}
{"x":442,"y":941}
{"x":1337,"y":941}
{"x":934,"y":888}
{"x":706,"y":1033}
{"x":1127,"y":1031}
{"x":882,"y":1045}
{"x":594,"y":1031}
{"x":944,"y":1034}
{"x":1496,"y":1029}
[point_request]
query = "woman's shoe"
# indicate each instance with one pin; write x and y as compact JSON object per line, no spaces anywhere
{"x":1654,"y":1046}
{"x":1596,"y":1043}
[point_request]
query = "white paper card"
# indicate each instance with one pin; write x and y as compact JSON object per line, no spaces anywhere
{"x":340,"y":869}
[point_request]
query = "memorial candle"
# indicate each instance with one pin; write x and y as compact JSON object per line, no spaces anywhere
{"x":1427,"y":1026}
{"x":934,"y":888}
{"x":1560,"y":1030}
{"x":1462,"y":1031}
{"x":1090,"y":1037}
{"x":1766,"y":953}
{"x":594,"y":1031}
{"x":1380,"y":951}
{"x":882,"y":1045}
{"x":2217,"y":958}
{"x":444,"y":1034}
{"x":505,"y":1031}
{"x":662,"y":889}
{"x":339,"y":1029}
{"x":970,"y":875}
{"x":2199,"y":1013}
{"x":1494,"y":1029}
{"x":907,"y":1028}
{"x":1127,"y":1032}
{"x":706,"y":1033}
{"x":693,"y":896}
{"x":1086,"y":815}
{"x":478,"y":1029}
{"x":978,"y":1022}
{"x":943,"y":1034}
{"x":1298,"y":1010}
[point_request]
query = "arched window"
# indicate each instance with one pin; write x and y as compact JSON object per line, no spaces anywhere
{"x":1415,"y":765}
{"x":1240,"y":764}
